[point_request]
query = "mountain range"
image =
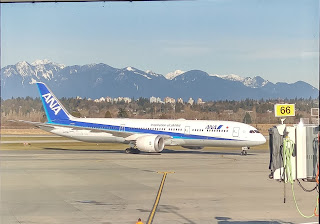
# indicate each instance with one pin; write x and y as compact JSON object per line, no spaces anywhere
{"x":97,"y":80}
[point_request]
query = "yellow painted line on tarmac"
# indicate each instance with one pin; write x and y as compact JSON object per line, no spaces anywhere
{"x":156,"y":202}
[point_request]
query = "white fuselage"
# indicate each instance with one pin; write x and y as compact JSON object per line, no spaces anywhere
{"x":179,"y":132}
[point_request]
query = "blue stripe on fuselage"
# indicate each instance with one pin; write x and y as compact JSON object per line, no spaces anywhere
{"x":73,"y":123}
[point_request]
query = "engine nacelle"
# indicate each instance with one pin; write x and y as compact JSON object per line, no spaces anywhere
{"x":150,"y":143}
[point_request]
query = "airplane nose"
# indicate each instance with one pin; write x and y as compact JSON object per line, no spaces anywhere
{"x":262,"y":139}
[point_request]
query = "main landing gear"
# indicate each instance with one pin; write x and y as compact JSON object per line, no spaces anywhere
{"x":244,"y":151}
{"x":132,"y":150}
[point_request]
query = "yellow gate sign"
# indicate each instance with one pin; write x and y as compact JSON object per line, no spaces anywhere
{"x":284,"y":110}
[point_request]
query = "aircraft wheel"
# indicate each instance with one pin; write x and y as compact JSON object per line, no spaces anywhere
{"x":271,"y":176}
{"x":243,"y":153}
{"x":132,"y":151}
{"x":135,"y":151}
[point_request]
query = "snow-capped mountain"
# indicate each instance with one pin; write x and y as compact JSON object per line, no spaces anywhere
{"x":148,"y":74}
{"x":174,"y":74}
{"x":97,"y":80}
{"x":255,"y":82}
{"x":43,"y":62}
{"x":38,"y":69}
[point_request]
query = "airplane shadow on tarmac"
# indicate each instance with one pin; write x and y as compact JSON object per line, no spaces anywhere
{"x":85,"y":150}
{"x":227,"y":220}
{"x":165,"y":151}
{"x":218,"y":152}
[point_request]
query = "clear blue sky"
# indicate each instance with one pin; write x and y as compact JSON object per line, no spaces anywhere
{"x":278,"y":40}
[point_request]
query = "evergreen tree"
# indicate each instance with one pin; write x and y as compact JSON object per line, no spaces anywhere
{"x":76,"y":114}
{"x":247,"y":118}
{"x":122,"y":113}
{"x":108,"y":114}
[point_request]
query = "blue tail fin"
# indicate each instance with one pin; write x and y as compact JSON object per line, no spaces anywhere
{"x":55,"y":112}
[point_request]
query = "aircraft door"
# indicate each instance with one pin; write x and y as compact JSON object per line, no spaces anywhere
{"x":187,"y":130}
{"x":235,"y":132}
{"x":122,"y":127}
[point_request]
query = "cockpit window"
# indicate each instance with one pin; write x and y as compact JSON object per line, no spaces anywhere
{"x":254,"y":131}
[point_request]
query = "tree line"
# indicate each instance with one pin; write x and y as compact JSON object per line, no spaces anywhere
{"x":248,"y":110}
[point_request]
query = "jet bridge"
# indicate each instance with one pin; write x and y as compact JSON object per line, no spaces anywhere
{"x":294,"y":156}
{"x":303,"y":140}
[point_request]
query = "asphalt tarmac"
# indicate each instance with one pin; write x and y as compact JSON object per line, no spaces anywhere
{"x":109,"y":186}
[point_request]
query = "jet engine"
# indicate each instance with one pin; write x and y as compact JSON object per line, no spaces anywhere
{"x":150,"y":143}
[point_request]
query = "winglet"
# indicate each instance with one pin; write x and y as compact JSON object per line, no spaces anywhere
{"x":53,"y":108}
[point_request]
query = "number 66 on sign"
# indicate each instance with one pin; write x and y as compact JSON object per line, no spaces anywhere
{"x":284,"y":110}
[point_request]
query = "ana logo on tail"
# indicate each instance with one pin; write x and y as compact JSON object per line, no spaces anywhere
{"x":53,"y":103}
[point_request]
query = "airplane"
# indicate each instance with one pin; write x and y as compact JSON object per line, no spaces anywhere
{"x":147,"y":135}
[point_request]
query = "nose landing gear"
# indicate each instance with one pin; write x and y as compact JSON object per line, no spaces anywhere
{"x":244,"y":151}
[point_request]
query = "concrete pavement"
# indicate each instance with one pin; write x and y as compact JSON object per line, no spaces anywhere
{"x":109,"y":186}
